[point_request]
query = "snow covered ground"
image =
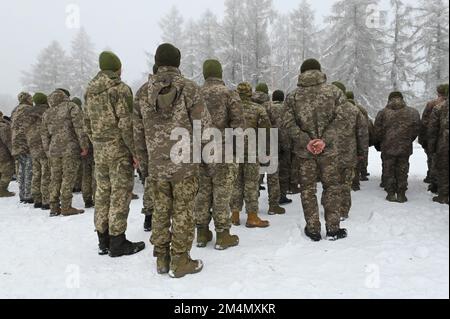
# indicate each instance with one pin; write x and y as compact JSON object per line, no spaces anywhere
{"x":393,"y":251}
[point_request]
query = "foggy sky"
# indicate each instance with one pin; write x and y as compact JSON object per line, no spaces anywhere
{"x":127,"y":27}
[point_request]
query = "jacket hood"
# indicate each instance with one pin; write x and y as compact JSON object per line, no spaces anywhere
{"x":260,"y":97}
{"x":312,"y":78}
{"x":396,"y":104}
{"x":56,"y":98}
{"x":103,"y":81}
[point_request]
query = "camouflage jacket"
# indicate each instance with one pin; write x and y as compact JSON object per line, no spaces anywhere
{"x":426,"y":116}
{"x":260,"y":98}
{"x":438,"y":130}
{"x":62,"y":127}
{"x":396,"y":128}
{"x":312,"y":113}
{"x":108,"y":115}
{"x":353,"y":135}
{"x":34,"y":138}
{"x":168,"y":103}
{"x":20,"y":123}
{"x":369,"y":122}
{"x":5,"y":142}
{"x":276,"y":111}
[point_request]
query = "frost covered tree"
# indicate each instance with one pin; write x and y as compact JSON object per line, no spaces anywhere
{"x":231,"y":37}
{"x":257,"y":16}
{"x":83,"y":63}
{"x":191,"y":66}
{"x":50,"y":71}
{"x":172,"y":27}
{"x":283,"y":65}
{"x":355,"y":51}
{"x":431,"y":41}
{"x":401,"y":70}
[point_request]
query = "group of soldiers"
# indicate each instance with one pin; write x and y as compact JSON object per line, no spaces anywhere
{"x":324,"y":137}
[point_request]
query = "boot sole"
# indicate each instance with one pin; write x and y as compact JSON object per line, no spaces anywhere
{"x":254,"y":226}
{"x":222,"y":248}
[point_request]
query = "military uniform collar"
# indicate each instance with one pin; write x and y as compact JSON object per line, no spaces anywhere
{"x":213,"y":80}
{"x":168,"y":69}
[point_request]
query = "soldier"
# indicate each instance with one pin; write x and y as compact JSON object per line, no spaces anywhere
{"x":109,"y":124}
{"x":283,"y":146}
{"x":216,"y":181}
{"x":246,"y":186}
{"x":169,"y":102}
{"x":396,"y":128}
{"x":41,"y":169}
{"x":20,"y":148}
{"x":353,"y":144}
{"x":62,"y":135}
{"x":312,"y":120}
{"x":6,"y":159}
{"x":85,"y":176}
{"x":441,"y":96}
{"x":438,"y":142}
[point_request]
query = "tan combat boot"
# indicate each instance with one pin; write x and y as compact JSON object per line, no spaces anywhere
{"x":71,"y":211}
{"x":276,"y":210}
{"x":235,"y":218}
{"x":163,"y":264}
{"x":204,"y":236}
{"x":5,"y":193}
{"x":225,"y":240}
{"x":183,"y":265}
{"x":55,"y":211}
{"x":253,"y":221}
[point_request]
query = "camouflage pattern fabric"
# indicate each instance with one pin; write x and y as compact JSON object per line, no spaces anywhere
{"x":88,"y":183}
{"x":63,"y":173}
{"x":109,"y":124}
{"x":149,"y":207}
{"x":34,"y":129}
{"x":396,"y":173}
{"x":6,"y":173}
{"x":41,"y":181}
{"x":25,"y":176}
{"x":6,"y":160}
{"x":173,"y":219}
{"x":216,"y":184}
{"x":347,"y":175}
{"x":246,"y":189}
{"x":19,"y":126}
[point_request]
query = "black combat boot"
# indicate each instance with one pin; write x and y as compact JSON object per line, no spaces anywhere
{"x":148,"y":223}
{"x":29,"y":201}
{"x":433,"y":188}
{"x":391,"y":197}
{"x":103,"y":243}
{"x":441,"y":199}
{"x":284,"y":200}
{"x":89,"y":204}
{"x":340,"y":234}
{"x":314,"y":237}
{"x":401,"y":197}
{"x":119,"y":246}
{"x":37,"y":205}
{"x":45,"y":207}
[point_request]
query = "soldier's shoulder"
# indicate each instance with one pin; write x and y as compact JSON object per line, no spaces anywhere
{"x":142,"y":90}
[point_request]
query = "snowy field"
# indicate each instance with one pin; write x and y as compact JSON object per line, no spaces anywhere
{"x":393,"y":251}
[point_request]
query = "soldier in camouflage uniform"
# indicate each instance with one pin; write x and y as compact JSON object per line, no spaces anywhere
{"x":20,"y":148}
{"x":312,"y":120}
{"x":169,"y":102}
{"x":246,"y":186}
{"x":423,"y":136}
{"x":41,"y":169}
{"x":216,"y":181}
{"x":353,"y":143}
{"x":62,"y":134}
{"x":85,"y":179}
{"x":438,"y":144}
{"x":109,"y":124}
{"x":6,"y":159}
{"x":396,"y":128}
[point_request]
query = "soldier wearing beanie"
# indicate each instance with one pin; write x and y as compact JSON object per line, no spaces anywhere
{"x":216,"y":181}
{"x":169,"y":101}
{"x":312,"y":124}
{"x":396,"y":128}
{"x":108,"y":117}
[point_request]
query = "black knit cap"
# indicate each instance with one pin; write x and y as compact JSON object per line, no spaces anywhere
{"x":340,"y":85}
{"x":278,"y":96}
{"x":168,"y":55}
{"x":310,"y":64}
{"x":66,"y":92}
{"x":350,"y":95}
{"x":395,"y":94}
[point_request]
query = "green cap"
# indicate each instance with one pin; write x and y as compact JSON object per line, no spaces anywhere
{"x":262,"y":87}
{"x":108,"y":61}
{"x":212,"y":69}
{"x":310,"y":64}
{"x":395,"y":94}
{"x":340,"y":85}
{"x":350,"y":95}
{"x":442,"y":89}
{"x":39,"y":98}
{"x":278,"y":96}
{"x":168,"y":55}
{"x":77,"y":101}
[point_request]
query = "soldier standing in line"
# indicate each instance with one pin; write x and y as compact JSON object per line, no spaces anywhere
{"x":6,"y":159}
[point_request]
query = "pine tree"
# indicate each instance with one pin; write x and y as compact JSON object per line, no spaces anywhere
{"x":83,"y":63}
{"x":172,"y":28}
{"x":208,"y":44}
{"x":191,"y":67}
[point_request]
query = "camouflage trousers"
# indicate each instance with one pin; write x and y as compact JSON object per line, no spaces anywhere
{"x":63,"y":172}
{"x":442,"y":175}
{"x":347,"y":176}
{"x":148,"y":201}
{"x":173,"y":226}
{"x":327,"y":170}
{"x":273,"y":183}
{"x":246,"y":188}
{"x":429,"y":163}
{"x":41,"y":181}
{"x":396,"y":173}
{"x":284,"y":173}
{"x":87,"y":178}
{"x":216,"y":185}
{"x":79,"y":179}
{"x":6,"y":174}
{"x":115,"y":180}
{"x":25,"y":176}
